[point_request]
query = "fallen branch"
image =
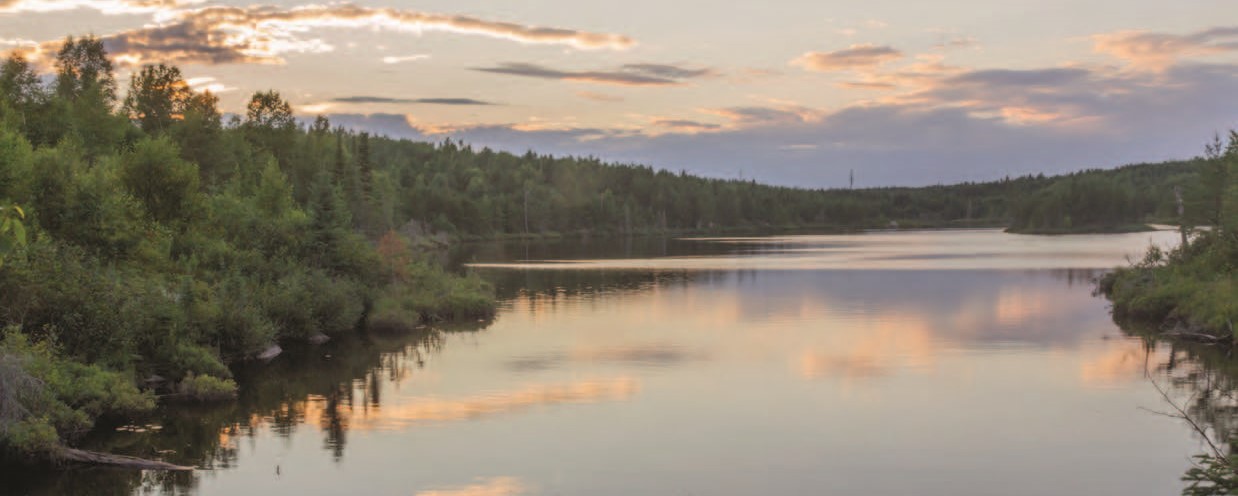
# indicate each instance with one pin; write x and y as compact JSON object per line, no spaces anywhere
{"x":1183,"y":415}
{"x":95,"y":458}
{"x":1196,"y":336}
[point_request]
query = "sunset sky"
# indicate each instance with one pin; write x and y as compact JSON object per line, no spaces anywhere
{"x":788,"y":92}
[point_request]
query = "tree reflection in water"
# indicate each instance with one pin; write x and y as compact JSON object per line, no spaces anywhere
{"x":1202,"y":391}
{"x":333,"y":382}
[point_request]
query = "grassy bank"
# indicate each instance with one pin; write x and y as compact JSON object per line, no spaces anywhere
{"x":1191,"y":289}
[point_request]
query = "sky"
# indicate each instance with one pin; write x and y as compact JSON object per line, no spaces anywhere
{"x":798,"y":93}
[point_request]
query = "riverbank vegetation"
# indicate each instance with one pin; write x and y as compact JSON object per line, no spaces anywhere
{"x":148,"y":244}
{"x":1189,"y":294}
{"x":1192,"y":289}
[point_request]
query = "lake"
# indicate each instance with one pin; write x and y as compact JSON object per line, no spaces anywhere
{"x":966,"y":362}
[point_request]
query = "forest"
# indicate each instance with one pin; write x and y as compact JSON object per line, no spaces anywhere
{"x":147,"y":244}
{"x":148,"y":240}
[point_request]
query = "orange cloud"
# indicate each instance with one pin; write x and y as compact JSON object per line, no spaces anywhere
{"x":224,"y":34}
{"x":109,"y":7}
{"x":856,"y":57}
{"x":1157,"y":51}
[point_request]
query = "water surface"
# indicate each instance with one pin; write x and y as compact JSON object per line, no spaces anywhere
{"x":891,"y":363}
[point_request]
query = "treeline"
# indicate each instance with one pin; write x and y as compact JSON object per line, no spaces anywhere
{"x":146,"y":242}
{"x":484,"y":194}
{"x":1121,"y":199}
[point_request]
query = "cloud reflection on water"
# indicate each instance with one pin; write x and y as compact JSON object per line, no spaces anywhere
{"x":497,"y":486}
{"x":402,"y":411}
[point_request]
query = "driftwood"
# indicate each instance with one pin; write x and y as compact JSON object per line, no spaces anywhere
{"x":121,"y":461}
{"x":270,"y":353}
{"x":1196,"y":336}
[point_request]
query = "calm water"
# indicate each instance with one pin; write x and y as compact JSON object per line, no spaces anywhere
{"x":928,"y":363}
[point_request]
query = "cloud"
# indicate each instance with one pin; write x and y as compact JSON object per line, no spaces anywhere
{"x":18,"y":42}
{"x":599,"y":97}
{"x":867,"y":85}
{"x":108,"y":7}
{"x":227,"y":35}
{"x":764,"y":116}
{"x":857,"y":57}
{"x":685,"y":125}
{"x":210,"y":84}
{"x":1034,"y":78}
{"x":429,"y":101}
{"x":926,"y":71}
{"x":625,"y":75}
{"x":957,"y":42}
{"x":1157,"y":51}
{"x":944,"y":124}
{"x":1061,"y":96}
{"x":406,"y":58}
{"x":667,"y":71}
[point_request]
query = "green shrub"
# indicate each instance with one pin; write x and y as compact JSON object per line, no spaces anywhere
{"x":206,"y":388}
{"x":56,"y":399}
{"x":430,"y":293}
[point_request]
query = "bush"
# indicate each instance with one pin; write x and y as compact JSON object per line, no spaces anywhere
{"x":432,"y":294}
{"x":50,"y":399}
{"x":206,"y":388}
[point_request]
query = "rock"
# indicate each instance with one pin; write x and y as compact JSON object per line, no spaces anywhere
{"x":270,"y":353}
{"x":319,"y":338}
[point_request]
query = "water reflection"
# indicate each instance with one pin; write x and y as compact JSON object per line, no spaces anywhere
{"x":925,"y":250}
{"x":498,"y":486}
{"x":706,"y":372}
{"x":1203,"y":381}
{"x":408,"y":411}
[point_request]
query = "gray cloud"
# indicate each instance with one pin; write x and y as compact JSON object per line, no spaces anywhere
{"x":667,"y":71}
{"x":262,"y":34}
{"x":1054,"y":77}
{"x":686,"y":125}
{"x":430,"y":101}
{"x":626,"y":75}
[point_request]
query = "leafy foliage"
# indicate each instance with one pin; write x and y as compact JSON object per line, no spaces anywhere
{"x":164,"y":245}
{"x":48,"y":399}
{"x":1211,"y":476}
